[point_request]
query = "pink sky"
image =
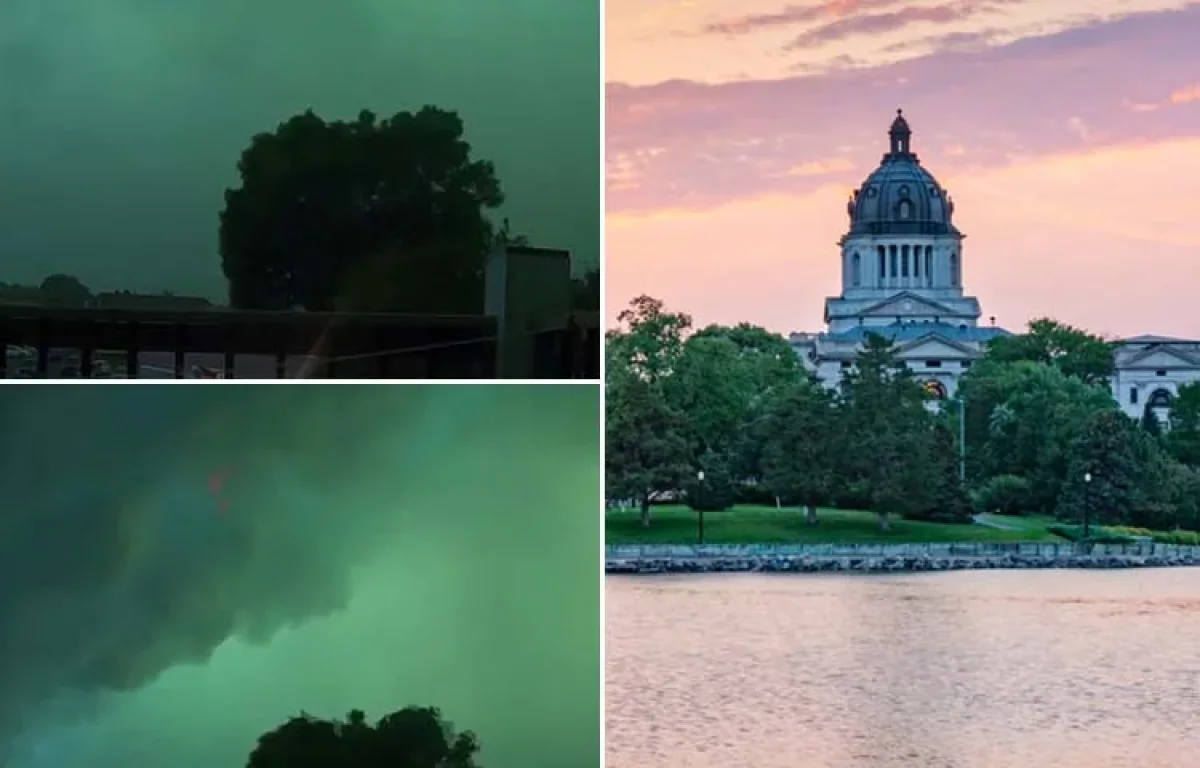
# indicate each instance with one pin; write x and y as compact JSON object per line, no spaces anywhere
{"x":1068,"y":133}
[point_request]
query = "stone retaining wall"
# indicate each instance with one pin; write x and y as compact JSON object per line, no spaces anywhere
{"x":902,"y":560}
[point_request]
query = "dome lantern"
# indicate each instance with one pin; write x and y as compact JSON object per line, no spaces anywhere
{"x":900,"y":135}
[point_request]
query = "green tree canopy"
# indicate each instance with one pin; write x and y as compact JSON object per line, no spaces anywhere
{"x":802,"y":447}
{"x":1021,"y":419}
{"x":363,"y":214}
{"x":1183,"y":439}
{"x":890,"y":428}
{"x":645,"y":446}
{"x":1073,"y":351}
{"x":414,"y":737}
{"x":1102,"y":476}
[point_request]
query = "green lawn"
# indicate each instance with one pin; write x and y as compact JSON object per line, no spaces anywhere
{"x":766,"y":525}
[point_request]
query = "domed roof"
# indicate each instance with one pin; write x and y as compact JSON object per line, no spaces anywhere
{"x":901,"y":197}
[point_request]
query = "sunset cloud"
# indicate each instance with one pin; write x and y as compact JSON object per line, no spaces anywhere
{"x":1062,"y":131}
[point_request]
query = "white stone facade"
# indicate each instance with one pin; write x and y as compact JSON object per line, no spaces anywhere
{"x":902,"y":278}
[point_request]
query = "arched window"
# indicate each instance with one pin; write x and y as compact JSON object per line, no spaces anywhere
{"x":882,"y":266}
{"x":935,"y":389}
{"x":954,"y":270}
{"x":855,"y":270}
{"x":1160,"y":398}
{"x":904,"y":210}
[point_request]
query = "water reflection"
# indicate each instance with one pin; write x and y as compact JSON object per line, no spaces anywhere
{"x":1037,"y":669}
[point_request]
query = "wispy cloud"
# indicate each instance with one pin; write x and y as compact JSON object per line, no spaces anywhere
{"x":1016,"y":100}
{"x":794,"y":15}
{"x":880,"y":23}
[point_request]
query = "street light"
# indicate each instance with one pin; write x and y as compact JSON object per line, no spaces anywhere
{"x":700,"y":509}
{"x":1087,"y":503}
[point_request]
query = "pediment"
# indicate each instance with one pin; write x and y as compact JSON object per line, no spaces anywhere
{"x":935,"y":347}
{"x":1160,"y":357}
{"x":907,"y":305}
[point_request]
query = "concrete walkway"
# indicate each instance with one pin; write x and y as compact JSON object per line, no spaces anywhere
{"x":989,"y":523}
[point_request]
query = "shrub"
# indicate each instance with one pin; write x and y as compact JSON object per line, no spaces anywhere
{"x":1097,"y":535}
{"x":1184,"y":538}
{"x":1004,"y":495}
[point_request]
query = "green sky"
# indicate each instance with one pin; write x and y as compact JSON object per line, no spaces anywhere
{"x":121,"y":122}
{"x":373,"y":547}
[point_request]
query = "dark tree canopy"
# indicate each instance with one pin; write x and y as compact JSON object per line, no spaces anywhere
{"x":365,"y":215}
{"x":65,"y":290}
{"x":414,"y":737}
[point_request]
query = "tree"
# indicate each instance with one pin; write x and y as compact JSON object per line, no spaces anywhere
{"x":645,"y":451}
{"x":1183,"y":438}
{"x":1075,"y":352}
{"x":1150,"y":422}
{"x":585,"y":291}
{"x":648,"y":339}
{"x":714,"y":491}
{"x":65,"y":291}
{"x":948,"y":500}
{"x":770,"y":364}
{"x":890,"y":429}
{"x":800,"y":457}
{"x":714,"y":387}
{"x":414,"y":737}
{"x":1021,"y":419}
{"x":1102,"y":474}
{"x":329,"y":211}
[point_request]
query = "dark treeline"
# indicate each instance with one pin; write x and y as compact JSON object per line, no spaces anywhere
{"x":367,"y":215}
{"x":414,"y":737}
{"x":723,"y":415}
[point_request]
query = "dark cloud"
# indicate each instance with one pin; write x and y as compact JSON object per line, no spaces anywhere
{"x":144,"y":526}
{"x":716,"y":143}
{"x":122,"y":122}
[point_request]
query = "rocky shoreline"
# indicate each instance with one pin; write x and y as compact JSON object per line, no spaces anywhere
{"x":890,"y":564}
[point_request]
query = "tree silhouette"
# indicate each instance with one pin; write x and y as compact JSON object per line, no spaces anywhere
{"x":65,"y":291}
{"x":413,"y":737}
{"x":366,"y":215}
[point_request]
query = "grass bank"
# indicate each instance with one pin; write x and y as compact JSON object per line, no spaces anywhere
{"x":767,"y":525}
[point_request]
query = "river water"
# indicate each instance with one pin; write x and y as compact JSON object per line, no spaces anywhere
{"x":968,"y":669}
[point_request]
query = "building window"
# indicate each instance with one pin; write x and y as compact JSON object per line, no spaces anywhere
{"x":905,"y":209}
{"x":933,"y":363}
{"x":895,"y":265}
{"x":965,"y":364}
{"x":954,"y":275}
{"x":929,"y":264}
{"x":882,"y":264}
{"x":1160,"y":373}
{"x":916,"y":261}
{"x":856,"y":270}
{"x":1133,"y":395}
{"x":845,"y":364}
{"x":904,"y":261}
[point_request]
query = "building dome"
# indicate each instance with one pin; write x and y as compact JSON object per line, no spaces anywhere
{"x":901,"y":197}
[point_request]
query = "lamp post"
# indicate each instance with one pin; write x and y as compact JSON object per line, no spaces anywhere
{"x":1087,"y":503}
{"x":700,"y":508}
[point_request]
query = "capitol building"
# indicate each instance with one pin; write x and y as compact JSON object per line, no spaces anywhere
{"x":902,"y":278}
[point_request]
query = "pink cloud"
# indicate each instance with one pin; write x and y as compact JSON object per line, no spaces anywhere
{"x":718,"y":143}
